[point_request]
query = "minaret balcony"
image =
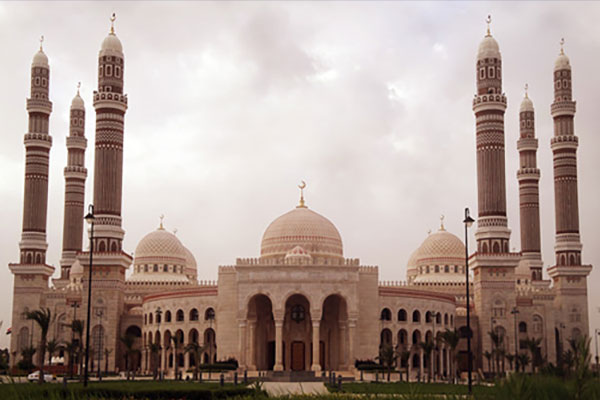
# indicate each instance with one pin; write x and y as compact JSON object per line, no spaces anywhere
{"x":76,"y":142}
{"x":559,"y":108}
{"x":528,"y":173}
{"x":525,"y":144}
{"x":564,"y":142}
{"x":489,"y":102}
{"x":110,"y":100}
{"x":75,"y":171}
{"x":39,"y":105}
{"x":38,"y":140}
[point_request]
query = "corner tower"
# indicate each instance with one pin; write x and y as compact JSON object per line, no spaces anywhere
{"x":493,"y":266}
{"x":569,"y":276}
{"x":75,"y":175}
{"x":528,"y":176}
{"x":31,"y":273}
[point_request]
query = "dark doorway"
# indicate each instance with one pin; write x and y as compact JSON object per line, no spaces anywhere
{"x":270,"y":355}
{"x":298,"y":360}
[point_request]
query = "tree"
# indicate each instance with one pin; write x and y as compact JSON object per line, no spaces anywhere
{"x":196,"y":350}
{"x":26,"y":363}
{"x":428,"y":347}
{"x":488,"y":356}
{"x":533,"y":345}
{"x":129,"y":343}
{"x":43,"y":317}
{"x":404,"y":360}
{"x":451,"y":339}
{"x":388,"y":357}
{"x":511,"y":358}
{"x":522,"y":361}
{"x":77,"y":329}
{"x":154,"y":352}
{"x":107,"y":352}
{"x":497,"y":342}
{"x":72,"y":348}
{"x":52,"y":346}
{"x":175,"y":343}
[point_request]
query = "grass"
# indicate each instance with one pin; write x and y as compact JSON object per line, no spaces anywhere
{"x":411,"y":388}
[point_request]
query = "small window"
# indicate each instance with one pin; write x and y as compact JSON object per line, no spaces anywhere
{"x":108,"y":70}
{"x":402,"y":315}
{"x":491,"y":72}
{"x":558,"y":84}
{"x":482,"y":73}
{"x":386,"y":314}
{"x":179,"y":316}
{"x":437,"y":268}
{"x":101,"y":71}
{"x":446,"y":268}
{"x":165,"y":268}
{"x":498,"y":73}
{"x":117,"y":72}
{"x":37,"y":81}
{"x":44,"y":82}
{"x":194,"y":315}
{"x":168,"y":316}
{"x":155,"y":267}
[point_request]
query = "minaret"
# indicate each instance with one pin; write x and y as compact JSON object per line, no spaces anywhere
{"x":31,"y":274}
{"x":75,"y":175}
{"x":493,"y":265}
{"x":528,"y":176}
{"x":569,"y":276}
{"x":109,"y":260}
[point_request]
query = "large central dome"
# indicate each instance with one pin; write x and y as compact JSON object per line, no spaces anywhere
{"x":305,"y":228}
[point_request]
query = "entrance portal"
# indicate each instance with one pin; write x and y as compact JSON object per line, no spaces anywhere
{"x":298,"y":356}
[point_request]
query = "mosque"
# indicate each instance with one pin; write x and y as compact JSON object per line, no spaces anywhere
{"x":301,"y":305}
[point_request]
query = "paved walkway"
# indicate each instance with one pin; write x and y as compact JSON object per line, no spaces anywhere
{"x":286,"y":388}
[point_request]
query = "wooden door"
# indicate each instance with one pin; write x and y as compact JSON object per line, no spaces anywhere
{"x":298,"y":356}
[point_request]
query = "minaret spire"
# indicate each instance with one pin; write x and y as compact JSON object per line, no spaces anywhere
{"x":302,"y":186}
{"x":75,"y":176}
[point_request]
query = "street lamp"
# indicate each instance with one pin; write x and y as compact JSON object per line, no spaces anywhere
{"x":515,"y":312}
{"x":596,"y":333}
{"x":468,"y":221}
{"x":75,"y":306}
{"x":89,"y":218}
{"x":160,"y":370}
{"x":99,"y":314}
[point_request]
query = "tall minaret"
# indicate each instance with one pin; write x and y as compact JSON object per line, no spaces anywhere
{"x":31,"y":273}
{"x":569,"y":276}
{"x":109,"y":260}
{"x":75,"y":175}
{"x":528,"y":176}
{"x":492,"y":265}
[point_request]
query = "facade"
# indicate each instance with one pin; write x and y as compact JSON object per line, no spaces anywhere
{"x":301,"y":305}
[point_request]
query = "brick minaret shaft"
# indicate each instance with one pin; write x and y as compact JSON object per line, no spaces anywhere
{"x":75,"y":175}
{"x":110,"y":104}
{"x":37,"y":157}
{"x":564,"y":148}
{"x":489,"y":105}
{"x":528,"y":176}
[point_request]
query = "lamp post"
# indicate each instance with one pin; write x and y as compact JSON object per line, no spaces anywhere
{"x":596,"y":333}
{"x":75,"y":306}
{"x":210,"y":315}
{"x":160,"y":369}
{"x":468,"y":221}
{"x":99,"y":314}
{"x":89,"y":218}
{"x":434,"y":315}
{"x":515,"y":312}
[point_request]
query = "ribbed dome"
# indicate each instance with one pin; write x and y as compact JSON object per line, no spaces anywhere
{"x":526,"y":104}
{"x":191,"y":268}
{"x":305,"y":228}
{"x":40,"y":59}
{"x":488,"y":48}
{"x":77,"y":102}
{"x":160,"y":247}
{"x":411,"y":265}
{"x":111,"y":43}
{"x":441,"y":245}
{"x":562,"y":62}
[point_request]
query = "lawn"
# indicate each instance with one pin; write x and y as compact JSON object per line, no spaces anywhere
{"x":412,"y":388}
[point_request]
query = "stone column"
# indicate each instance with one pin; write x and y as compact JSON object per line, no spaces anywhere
{"x":408,"y":369}
{"x":351,"y":333}
{"x":278,"y":345}
{"x":421,"y":361}
{"x":252,"y":347}
{"x":316,"y":338}
{"x":241,"y":344}
{"x":448,"y":363}
{"x":343,"y":360}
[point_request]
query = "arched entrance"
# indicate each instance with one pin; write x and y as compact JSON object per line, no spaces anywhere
{"x":134,"y":356}
{"x":334,"y":333}
{"x":261,"y":335}
{"x":297,"y":334}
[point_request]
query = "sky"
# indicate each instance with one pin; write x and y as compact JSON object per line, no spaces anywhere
{"x":232,"y":104}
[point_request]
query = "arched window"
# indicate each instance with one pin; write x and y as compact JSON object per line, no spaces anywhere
{"x":165,"y":268}
{"x":498,"y":309}
{"x":438,"y":318}
{"x":416,"y":317}
{"x":484,"y":248}
{"x":145,"y":319}
{"x":386,"y":314}
{"x":168,"y":316}
{"x":522,"y":327}
{"x":193,"y":314}
{"x":496,"y":247}
{"x":150,"y":318}
{"x":537,"y":324}
{"x":402,"y":315}
{"x":428,"y":317}
{"x":416,"y":337}
{"x":102,"y":247}
{"x":209,"y":314}
{"x":179,"y":316}
{"x":445,"y":319}
{"x":155,"y":267}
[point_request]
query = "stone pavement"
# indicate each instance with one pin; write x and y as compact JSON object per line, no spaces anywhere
{"x":285,"y":388}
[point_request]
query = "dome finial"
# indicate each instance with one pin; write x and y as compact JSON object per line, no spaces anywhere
{"x":302,"y":185}
{"x":78,"y":87}
{"x":41,"y":42}
{"x":526,"y":88}
{"x":488,"y":21}
{"x":442,"y":223}
{"x":562,"y":44}
{"x":162,"y":216}
{"x":112,"y":23}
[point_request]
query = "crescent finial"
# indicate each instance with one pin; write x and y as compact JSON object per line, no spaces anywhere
{"x":162,"y":216}
{"x":488,"y":21}
{"x":301,"y":186}
{"x":41,"y":42}
{"x":113,"y":17}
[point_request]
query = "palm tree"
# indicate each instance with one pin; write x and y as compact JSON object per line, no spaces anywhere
{"x":154,"y":351}
{"x":193,"y":348}
{"x":533,"y":345}
{"x":388,"y":357}
{"x":173,"y":339}
{"x":522,"y":360}
{"x":427,"y":347}
{"x":451,"y":339}
{"x":52,"y":346}
{"x":502,"y":355}
{"x":404,"y":360}
{"x":511,"y":358}
{"x":488,"y":355}
{"x":129,"y":342}
{"x":71,"y":348}
{"x":27,"y":354}
{"x":107,"y":352}
{"x":43,"y":317}
{"x":497,"y":341}
{"x":77,"y":328}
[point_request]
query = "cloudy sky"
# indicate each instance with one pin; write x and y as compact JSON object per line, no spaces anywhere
{"x":232,"y":104}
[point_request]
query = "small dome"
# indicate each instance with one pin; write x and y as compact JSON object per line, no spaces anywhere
{"x":298,"y":252}
{"x":160,"y":247}
{"x":526,"y":104}
{"x":77,"y":102}
{"x":441,"y":246}
{"x":411,"y":265}
{"x":562,"y":62}
{"x":40,"y":59}
{"x":302,"y":227}
{"x":76,"y":269}
{"x":191,"y":267}
{"x":488,"y":48}
{"x":111,"y":43}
